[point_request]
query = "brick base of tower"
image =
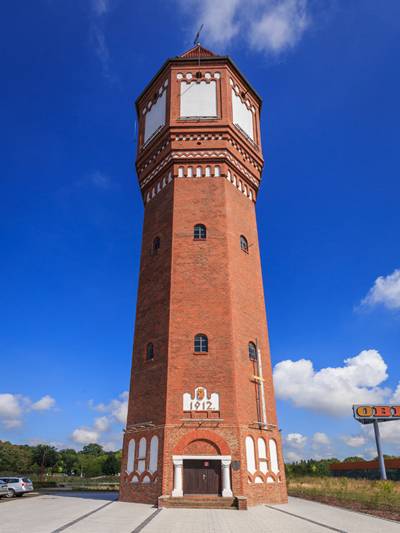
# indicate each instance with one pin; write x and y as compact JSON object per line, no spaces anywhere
{"x":257,"y":488}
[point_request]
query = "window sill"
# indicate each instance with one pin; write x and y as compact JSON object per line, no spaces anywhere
{"x":201,"y":239}
{"x":201,"y":353}
{"x":198,"y":119}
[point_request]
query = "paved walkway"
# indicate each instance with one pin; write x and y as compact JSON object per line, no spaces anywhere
{"x":99,"y":513}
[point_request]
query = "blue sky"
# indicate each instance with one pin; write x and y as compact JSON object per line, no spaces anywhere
{"x":71,"y":211}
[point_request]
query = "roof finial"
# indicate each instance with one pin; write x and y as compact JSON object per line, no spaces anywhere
{"x":196,"y":39}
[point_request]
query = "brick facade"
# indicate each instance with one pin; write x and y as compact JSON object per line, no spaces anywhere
{"x":200,"y":171}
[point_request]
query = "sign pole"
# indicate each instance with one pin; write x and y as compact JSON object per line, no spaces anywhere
{"x":379,"y":448}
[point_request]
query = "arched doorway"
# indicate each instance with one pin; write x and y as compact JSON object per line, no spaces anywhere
{"x":202,"y":466}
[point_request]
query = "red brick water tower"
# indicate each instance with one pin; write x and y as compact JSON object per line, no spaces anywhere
{"x":201,"y":416}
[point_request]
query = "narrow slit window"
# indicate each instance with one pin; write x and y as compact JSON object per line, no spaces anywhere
{"x":150,"y":351}
{"x":217,"y":171}
{"x":198,"y":172}
{"x":156,"y":245}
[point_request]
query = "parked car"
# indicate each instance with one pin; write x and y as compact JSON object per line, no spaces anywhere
{"x":17,"y":486}
{"x":3,"y":488}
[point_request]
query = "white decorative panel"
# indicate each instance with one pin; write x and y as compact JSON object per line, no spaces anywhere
{"x":198,"y":99}
{"x":146,"y":479}
{"x":155,"y":117}
{"x":242,"y":116}
{"x":262,"y":455}
{"x":142,"y":455}
{"x":270,"y":479}
{"x":131,"y":456}
{"x":258,"y":479}
{"x":135,"y":479}
{"x":201,"y":401}
{"x":250,"y":455}
{"x":274,"y":456}
{"x":153,"y":454}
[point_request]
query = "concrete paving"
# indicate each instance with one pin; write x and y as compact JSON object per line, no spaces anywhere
{"x":84,"y":512}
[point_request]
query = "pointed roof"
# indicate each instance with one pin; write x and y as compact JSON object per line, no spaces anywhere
{"x":197,"y":51}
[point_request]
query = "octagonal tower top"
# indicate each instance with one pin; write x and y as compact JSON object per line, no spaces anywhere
{"x":203,"y":99}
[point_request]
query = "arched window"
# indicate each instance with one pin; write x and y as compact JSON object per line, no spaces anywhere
{"x":252,"y":351}
{"x":190,"y":172}
{"x":250,"y":455}
{"x":156,"y":245}
{"x":244,"y":244}
{"x":180,"y":172}
{"x":201,"y":343}
{"x":198,"y":172}
{"x":199,"y":232}
{"x":131,"y":456}
{"x":262,"y":455}
{"x":149,"y":351}
{"x":208,"y":172}
{"x":217,"y":171}
{"x":142,"y":455}
{"x":273,"y":456}
{"x":153,"y":454}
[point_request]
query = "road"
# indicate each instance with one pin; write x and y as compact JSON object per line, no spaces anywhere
{"x":88,"y":512}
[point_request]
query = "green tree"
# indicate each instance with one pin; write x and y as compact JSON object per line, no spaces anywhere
{"x":112,"y":465}
{"x":91,"y":465}
{"x":69,"y":461}
{"x":353,"y":458}
{"x":92,"y":449}
{"x":15,"y":459}
{"x":45,"y":457}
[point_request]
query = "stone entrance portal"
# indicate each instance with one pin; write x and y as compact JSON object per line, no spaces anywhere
{"x":202,"y":476}
{"x":207,"y":474}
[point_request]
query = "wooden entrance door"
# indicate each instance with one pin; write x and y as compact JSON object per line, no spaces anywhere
{"x":201,"y":476}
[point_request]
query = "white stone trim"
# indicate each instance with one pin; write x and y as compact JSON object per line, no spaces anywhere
{"x":202,"y":457}
{"x":226,"y":460}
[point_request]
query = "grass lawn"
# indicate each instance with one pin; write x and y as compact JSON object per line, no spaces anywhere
{"x":380,"y":498}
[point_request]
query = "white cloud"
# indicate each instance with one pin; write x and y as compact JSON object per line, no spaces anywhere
{"x":112,"y":446}
{"x":270,"y":26}
{"x":385,"y":291}
{"x":296,"y":440}
{"x":220,"y":19}
{"x":292,"y":457}
{"x":85,"y":436}
{"x":390,"y":433}
{"x":11,"y":423}
{"x":354,"y":441}
{"x":102,"y":423}
{"x":100,"y":7}
{"x":100,"y":180}
{"x":396,"y":395}
{"x":320,"y":439}
{"x":332,"y":391}
{"x":118,"y":407}
{"x":281,"y":26}
{"x":10,"y":406}
{"x":44,"y":404}
{"x":14,"y":406}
